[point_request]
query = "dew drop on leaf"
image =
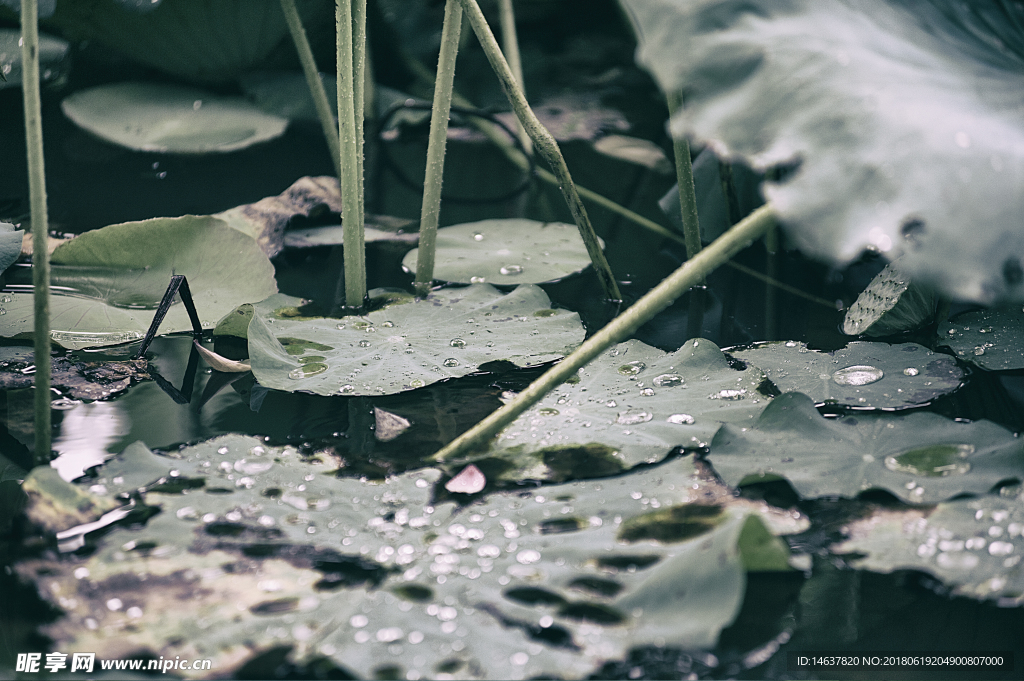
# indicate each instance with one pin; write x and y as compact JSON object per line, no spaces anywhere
{"x":511,"y":270}
{"x":667,"y":380}
{"x":858,"y":374}
{"x":632,"y":368}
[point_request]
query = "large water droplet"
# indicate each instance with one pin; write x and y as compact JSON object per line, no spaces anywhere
{"x":934,"y":461}
{"x":307,"y":370}
{"x":633,"y":416}
{"x":858,"y":374}
{"x":647,"y":392}
{"x":457,"y":343}
{"x":451,"y":362}
{"x":681,"y":419}
{"x":416,"y":383}
{"x":667,"y":380}
{"x":364,"y":343}
{"x":632,"y":368}
{"x":347,"y":389}
{"x":511,"y":270}
{"x":477,"y":280}
{"x":477,"y":236}
{"x":911,"y":371}
{"x":979,"y":350}
{"x":388,"y":325}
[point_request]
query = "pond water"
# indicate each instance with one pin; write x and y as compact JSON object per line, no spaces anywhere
{"x":826,"y":605}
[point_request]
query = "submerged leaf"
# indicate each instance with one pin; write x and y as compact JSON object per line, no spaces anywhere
{"x":991,"y":339}
{"x":170,"y":118}
{"x":451,"y":333}
{"x":892,"y":121}
{"x":890,"y":304}
{"x":506,"y":252}
{"x":920,"y":457}
{"x":863,"y":375}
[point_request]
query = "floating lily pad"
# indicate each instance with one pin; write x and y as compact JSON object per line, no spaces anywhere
{"x":890,"y":304}
{"x":451,"y":333}
{"x":264,"y":545}
{"x":890,"y":119}
{"x":170,"y":118}
{"x":10,"y":244}
{"x":52,"y":53}
{"x":991,"y":339}
{"x":971,"y":545}
{"x":634,"y":404}
{"x":108,"y":282}
{"x":920,"y":457}
{"x":506,"y":252}
{"x":863,"y":375}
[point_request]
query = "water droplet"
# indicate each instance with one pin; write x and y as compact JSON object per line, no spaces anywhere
{"x":340,"y":327}
{"x":408,"y":351}
{"x":548,"y":411}
{"x":611,"y":403}
{"x":790,"y":344}
{"x":985,"y":329}
{"x":911,"y":371}
{"x":858,"y":374}
{"x":451,"y":362}
{"x":632,"y":417}
{"x":667,"y":380}
{"x":934,"y":461}
{"x":64,"y":403}
{"x":361,"y":325}
{"x":979,"y":350}
{"x":307,"y":370}
{"x":364,"y":343}
{"x":681,"y":419}
{"x":632,"y":368}
{"x":477,"y":280}
{"x":511,"y":270}
{"x":388,"y":325}
{"x":347,"y":389}
{"x":477,"y":236}
{"x":416,"y":383}
{"x":729,"y":394}
{"x":457,"y":343}
{"x":647,"y":392}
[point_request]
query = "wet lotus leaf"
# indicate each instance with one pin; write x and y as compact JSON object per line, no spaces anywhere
{"x":863,"y":375}
{"x":57,"y":505}
{"x":272,"y":549}
{"x":170,"y":118}
{"x":633,"y":404}
{"x":971,"y":545}
{"x":865,"y":168}
{"x":890,"y":304}
{"x":920,"y":457}
{"x":52,"y":53}
{"x":108,"y":282}
{"x":10,"y":244}
{"x":450,"y":333}
{"x":991,"y":339}
{"x":506,"y":252}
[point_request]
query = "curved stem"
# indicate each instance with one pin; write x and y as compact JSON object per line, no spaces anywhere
{"x":656,"y":300}
{"x":430,"y":211}
{"x":544,"y":143}
{"x":40,"y":224}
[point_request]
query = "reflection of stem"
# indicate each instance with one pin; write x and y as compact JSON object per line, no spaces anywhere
{"x":316,"y":86}
{"x":183,"y":396}
{"x":40,"y":223}
{"x":430,"y":211}
{"x":355,"y":249}
{"x":656,"y":300}
{"x":545,"y":145}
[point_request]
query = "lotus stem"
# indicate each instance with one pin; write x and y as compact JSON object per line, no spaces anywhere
{"x":430,"y":212}
{"x":40,"y":224}
{"x":316,"y":86}
{"x":351,"y":183}
{"x":359,"y":96}
{"x":771,"y":245}
{"x":653,"y":302}
{"x":684,"y":176}
{"x":510,"y":46}
{"x":544,"y":143}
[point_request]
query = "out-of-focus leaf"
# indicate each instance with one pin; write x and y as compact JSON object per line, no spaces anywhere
{"x":52,"y":52}
{"x":991,"y":339}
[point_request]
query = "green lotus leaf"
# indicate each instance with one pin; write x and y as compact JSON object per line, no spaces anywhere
{"x":991,"y":339}
{"x":10,"y":244}
{"x":52,"y":54}
{"x":890,"y":304}
{"x":108,"y":282}
{"x":920,"y":457}
{"x":506,"y":252}
{"x":634,"y":404}
{"x":451,"y":333}
{"x":892,"y":120}
{"x":170,"y":118}
{"x":258,"y":546}
{"x":971,"y":545}
{"x":863,"y":375}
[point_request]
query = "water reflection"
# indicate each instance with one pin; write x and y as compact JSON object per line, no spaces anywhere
{"x":86,"y":433}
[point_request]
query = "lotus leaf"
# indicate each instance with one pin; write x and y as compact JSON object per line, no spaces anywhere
{"x":10,"y":244}
{"x":891,"y":120}
{"x":863,"y":375}
{"x":451,"y":333}
{"x":920,"y":458}
{"x":258,"y":546}
{"x":971,"y":545}
{"x":107,"y":282}
{"x":52,"y":52}
{"x":286,"y":93}
{"x":634,"y":404}
{"x":170,"y":118}
{"x":890,"y":304}
{"x":991,"y":339}
{"x":506,"y":252}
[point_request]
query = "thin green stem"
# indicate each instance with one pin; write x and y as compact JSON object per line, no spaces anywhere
{"x":316,"y":86}
{"x":355,"y":249}
{"x":430,"y":212}
{"x":40,"y":223}
{"x":656,"y":300}
{"x":544,"y":143}
{"x":687,"y":193}
{"x":510,"y":46}
{"x":359,"y":93}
